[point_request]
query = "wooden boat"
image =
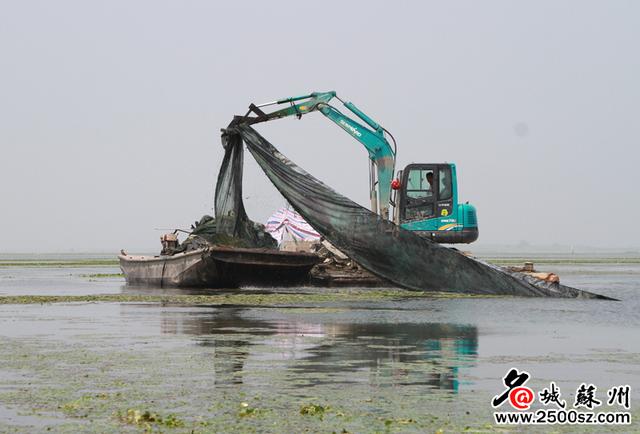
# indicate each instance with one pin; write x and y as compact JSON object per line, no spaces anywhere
{"x":220,"y":267}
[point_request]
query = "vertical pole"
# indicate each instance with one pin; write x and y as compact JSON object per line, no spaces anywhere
{"x":373,"y":194}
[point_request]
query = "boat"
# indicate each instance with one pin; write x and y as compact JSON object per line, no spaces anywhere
{"x":217,"y":266}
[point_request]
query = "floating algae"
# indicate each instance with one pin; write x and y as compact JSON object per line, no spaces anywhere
{"x":59,"y":263}
{"x":247,"y":299}
{"x":102,"y":275}
{"x":94,"y":384}
{"x":81,"y":367}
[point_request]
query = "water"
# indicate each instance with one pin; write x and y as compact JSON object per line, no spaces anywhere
{"x":401,"y":364}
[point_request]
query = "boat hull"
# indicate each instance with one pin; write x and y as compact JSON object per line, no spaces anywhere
{"x":219,"y":267}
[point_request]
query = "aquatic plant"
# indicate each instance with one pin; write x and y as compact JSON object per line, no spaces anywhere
{"x":147,"y":418}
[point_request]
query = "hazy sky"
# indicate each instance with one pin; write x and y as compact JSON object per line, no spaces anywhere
{"x":110,"y":111}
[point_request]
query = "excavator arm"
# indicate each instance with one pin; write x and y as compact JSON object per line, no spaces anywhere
{"x":371,"y":136}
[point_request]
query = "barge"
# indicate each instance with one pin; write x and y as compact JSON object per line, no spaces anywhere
{"x":220,"y":267}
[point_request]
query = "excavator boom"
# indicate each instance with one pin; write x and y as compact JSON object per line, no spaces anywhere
{"x":371,"y":136}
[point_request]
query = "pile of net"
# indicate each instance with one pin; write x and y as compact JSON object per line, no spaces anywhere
{"x":378,"y":245}
{"x":205,"y":232}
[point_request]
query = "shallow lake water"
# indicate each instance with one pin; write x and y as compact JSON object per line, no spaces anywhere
{"x":397,"y":364}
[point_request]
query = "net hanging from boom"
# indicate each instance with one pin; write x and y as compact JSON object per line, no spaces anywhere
{"x":380,"y":246}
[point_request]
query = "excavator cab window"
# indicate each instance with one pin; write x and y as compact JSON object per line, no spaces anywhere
{"x":444,"y":181}
{"x":427,"y":192}
{"x":419,"y":193}
{"x":420,"y":183}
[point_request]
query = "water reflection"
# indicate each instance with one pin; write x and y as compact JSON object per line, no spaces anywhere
{"x":325,"y":348}
{"x":399,"y":346}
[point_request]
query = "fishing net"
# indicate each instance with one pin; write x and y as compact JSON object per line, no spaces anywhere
{"x":379,"y":245}
{"x":231,"y":218}
{"x":231,"y":226}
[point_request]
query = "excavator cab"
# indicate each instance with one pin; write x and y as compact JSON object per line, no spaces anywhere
{"x":426,"y":199}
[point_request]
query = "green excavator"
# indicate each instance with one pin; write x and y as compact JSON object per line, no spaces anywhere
{"x":424,"y":196}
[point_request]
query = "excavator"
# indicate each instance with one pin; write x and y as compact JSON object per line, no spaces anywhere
{"x":424,"y":196}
